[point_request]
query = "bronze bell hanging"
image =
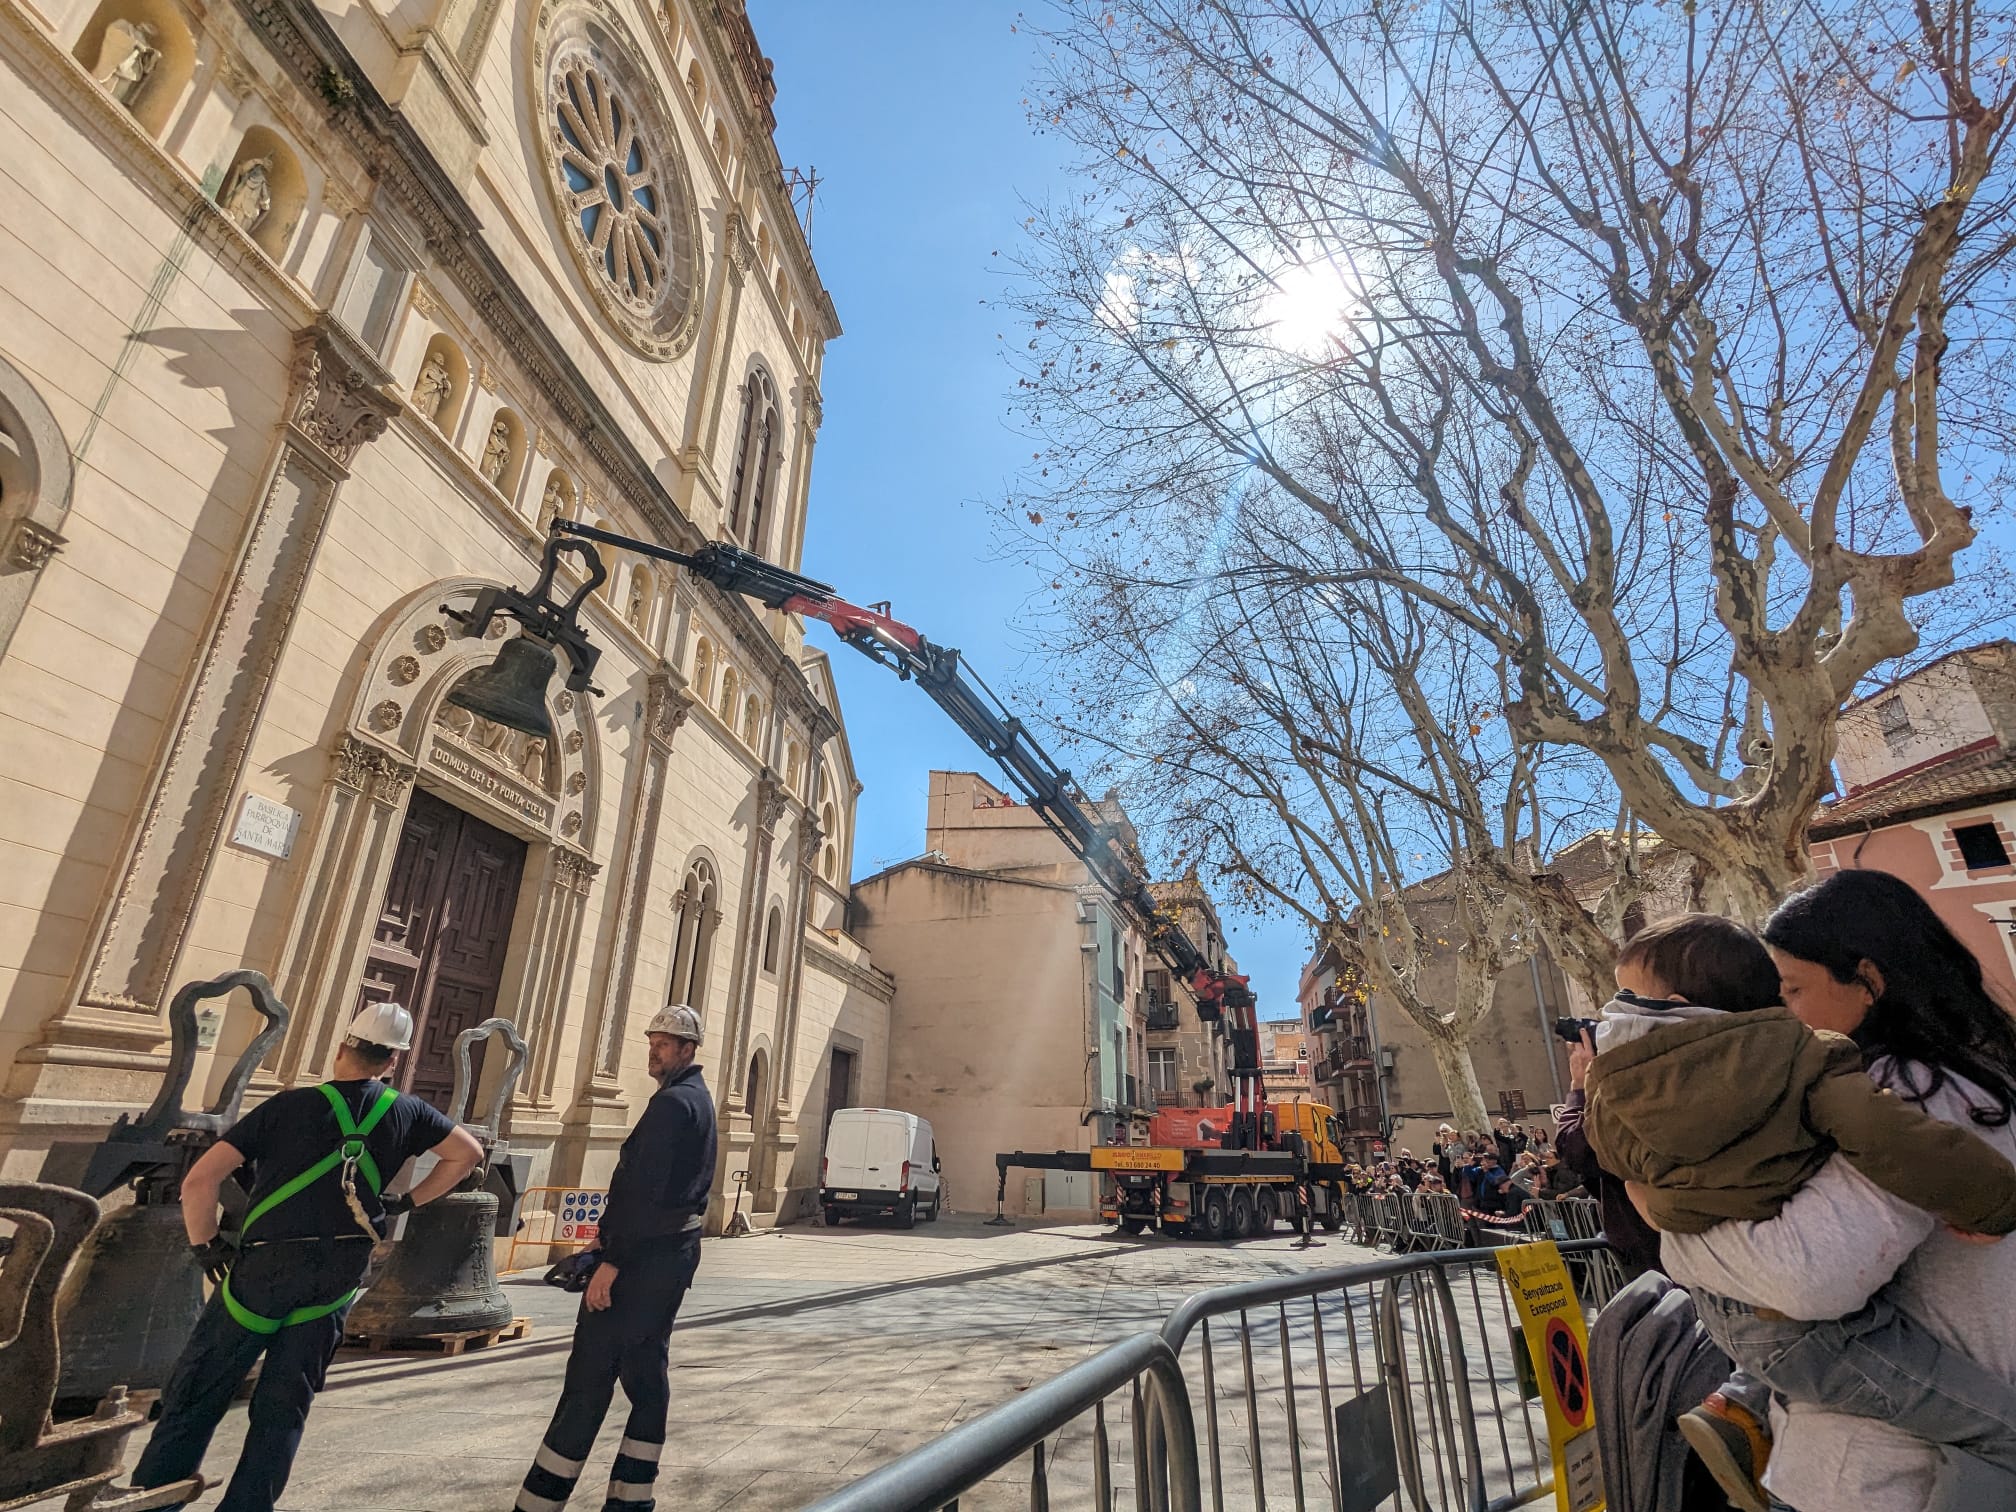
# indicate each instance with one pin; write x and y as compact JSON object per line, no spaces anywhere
{"x":511,"y":691}
{"x":441,"y":1276}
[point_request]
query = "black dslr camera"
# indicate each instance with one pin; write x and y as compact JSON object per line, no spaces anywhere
{"x":1570,"y":1029}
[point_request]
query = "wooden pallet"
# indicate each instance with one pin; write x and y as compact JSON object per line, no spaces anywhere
{"x":442,"y":1343}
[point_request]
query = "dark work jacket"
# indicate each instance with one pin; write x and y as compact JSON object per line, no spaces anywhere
{"x":665,"y":1172}
{"x":1635,"y":1241}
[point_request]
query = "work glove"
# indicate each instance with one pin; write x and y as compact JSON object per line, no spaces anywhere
{"x":216,"y":1256}
{"x":394,"y":1206}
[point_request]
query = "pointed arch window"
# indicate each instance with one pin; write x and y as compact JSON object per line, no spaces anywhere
{"x":756,"y":449}
{"x":693,"y":942}
{"x":773,"y":931}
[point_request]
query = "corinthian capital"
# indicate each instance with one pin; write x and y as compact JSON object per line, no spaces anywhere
{"x":342,"y":398}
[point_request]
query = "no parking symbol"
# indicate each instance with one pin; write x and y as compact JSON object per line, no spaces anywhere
{"x":1550,"y":1316}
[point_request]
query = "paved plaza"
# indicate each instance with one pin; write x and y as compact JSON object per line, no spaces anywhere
{"x":802,"y":1359}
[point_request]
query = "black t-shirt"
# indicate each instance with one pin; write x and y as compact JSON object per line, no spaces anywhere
{"x":288,"y":1133}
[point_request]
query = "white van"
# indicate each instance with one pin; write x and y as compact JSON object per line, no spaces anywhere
{"x":879,"y":1161}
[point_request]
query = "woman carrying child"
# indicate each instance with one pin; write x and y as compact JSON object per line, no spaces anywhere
{"x":1791,"y":1190}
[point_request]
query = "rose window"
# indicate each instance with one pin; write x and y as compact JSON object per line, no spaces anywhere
{"x":609,"y":171}
{"x":625,"y":204}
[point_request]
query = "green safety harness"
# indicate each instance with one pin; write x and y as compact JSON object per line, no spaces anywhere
{"x":350,"y":1158}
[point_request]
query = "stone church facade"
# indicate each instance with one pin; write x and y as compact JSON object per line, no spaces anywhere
{"x":311,"y":318}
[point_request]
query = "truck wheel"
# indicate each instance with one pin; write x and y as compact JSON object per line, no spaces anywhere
{"x":906,"y":1213}
{"x":1242,"y":1214}
{"x":1134,"y":1225}
{"x":1333,"y":1209}
{"x":1266,"y":1208}
{"x":832,"y":1217}
{"x":1217,"y":1214}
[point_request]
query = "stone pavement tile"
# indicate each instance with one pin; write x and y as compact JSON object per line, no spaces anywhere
{"x":784,"y":1491}
{"x":367,"y":1477}
{"x":893,"y":1409}
{"x":680,"y":1490}
{"x":695,"y":1450}
{"x":888,"y":1444}
{"x":807,"y":1451}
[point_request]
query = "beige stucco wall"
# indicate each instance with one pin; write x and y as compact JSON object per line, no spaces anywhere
{"x":988,"y":1027}
{"x":163,"y":340}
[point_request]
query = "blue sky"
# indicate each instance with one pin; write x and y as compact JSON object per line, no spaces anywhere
{"x":912,"y":114}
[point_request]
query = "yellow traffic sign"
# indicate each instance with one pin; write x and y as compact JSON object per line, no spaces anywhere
{"x":1550,"y":1315}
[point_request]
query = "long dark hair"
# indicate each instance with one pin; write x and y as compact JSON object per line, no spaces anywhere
{"x":1934,"y":1015}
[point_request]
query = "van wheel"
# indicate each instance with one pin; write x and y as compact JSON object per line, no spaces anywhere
{"x":1333,"y":1209}
{"x":1217,"y":1214}
{"x":937,"y":1201}
{"x":906,"y":1213}
{"x":1242,"y":1215}
{"x":832,"y":1217}
{"x":1265,"y":1210}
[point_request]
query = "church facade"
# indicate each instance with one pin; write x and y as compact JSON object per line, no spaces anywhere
{"x":312,"y":317}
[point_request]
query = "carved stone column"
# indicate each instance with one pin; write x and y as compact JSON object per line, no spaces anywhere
{"x":667,"y":702}
{"x":769,"y":800}
{"x":555,"y":947}
{"x":740,"y":257}
{"x":343,"y":878}
{"x":341,"y":398}
{"x":810,"y":838}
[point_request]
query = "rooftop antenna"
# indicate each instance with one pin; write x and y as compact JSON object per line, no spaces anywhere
{"x":803,"y":184}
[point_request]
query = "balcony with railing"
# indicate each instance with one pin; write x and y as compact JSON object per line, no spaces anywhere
{"x":1161,"y":1015}
{"x":1360,"y":1120}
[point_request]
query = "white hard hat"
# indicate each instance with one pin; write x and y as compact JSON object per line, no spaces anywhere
{"x":386,"y":1025}
{"x":678,"y":1021}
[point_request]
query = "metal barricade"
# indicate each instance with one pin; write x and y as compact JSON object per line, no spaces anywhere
{"x":1399,"y":1377}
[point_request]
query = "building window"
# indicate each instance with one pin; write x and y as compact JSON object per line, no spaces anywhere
{"x":699,"y":916}
{"x":773,"y":932}
{"x":1981,"y":846}
{"x":1894,"y":720}
{"x":755,"y":462}
{"x":1162,"y":1071}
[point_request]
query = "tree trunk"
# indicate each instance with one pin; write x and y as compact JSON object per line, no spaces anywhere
{"x":1459,"y":1080}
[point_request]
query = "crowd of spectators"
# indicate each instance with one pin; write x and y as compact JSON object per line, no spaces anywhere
{"x":1495,"y":1174}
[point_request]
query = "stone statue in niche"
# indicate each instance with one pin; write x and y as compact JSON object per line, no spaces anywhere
{"x":553,"y":504}
{"x":432,"y":390}
{"x":126,"y":59}
{"x":248,"y":195}
{"x":532,"y":762}
{"x":497,"y":453}
{"x":640,"y":601}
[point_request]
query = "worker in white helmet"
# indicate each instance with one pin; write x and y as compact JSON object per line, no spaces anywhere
{"x":650,"y":1247}
{"x":321,"y":1158}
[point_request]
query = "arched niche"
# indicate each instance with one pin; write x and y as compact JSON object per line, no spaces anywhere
{"x":35,"y":479}
{"x":500,"y":456}
{"x":442,"y":384}
{"x":557,"y":500}
{"x":143,"y":54}
{"x":264,"y":191}
{"x":638,"y":599}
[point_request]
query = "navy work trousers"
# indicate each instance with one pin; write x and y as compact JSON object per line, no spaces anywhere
{"x":270,"y":1279}
{"x":627,"y":1341}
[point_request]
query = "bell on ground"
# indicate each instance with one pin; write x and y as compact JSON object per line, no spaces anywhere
{"x":511,"y":691}
{"x":440,"y":1278}
{"x":128,"y":1305}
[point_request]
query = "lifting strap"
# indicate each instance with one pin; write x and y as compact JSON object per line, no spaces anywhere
{"x":351,"y":1153}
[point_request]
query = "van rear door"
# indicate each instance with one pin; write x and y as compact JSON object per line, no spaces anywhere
{"x":888,"y":1147}
{"x":847,"y":1150}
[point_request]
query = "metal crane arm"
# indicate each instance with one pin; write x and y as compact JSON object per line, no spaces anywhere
{"x":1043,"y":784}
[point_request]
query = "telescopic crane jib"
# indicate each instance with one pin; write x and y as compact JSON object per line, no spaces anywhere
{"x":551,"y":625}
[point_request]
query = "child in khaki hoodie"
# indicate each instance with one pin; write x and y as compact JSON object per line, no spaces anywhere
{"x":1721,"y":1104}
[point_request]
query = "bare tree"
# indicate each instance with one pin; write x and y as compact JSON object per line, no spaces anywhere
{"x":1329,"y":756}
{"x":1652,"y":351}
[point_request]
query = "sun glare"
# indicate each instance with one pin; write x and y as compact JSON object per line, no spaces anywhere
{"x":1311,"y":308}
